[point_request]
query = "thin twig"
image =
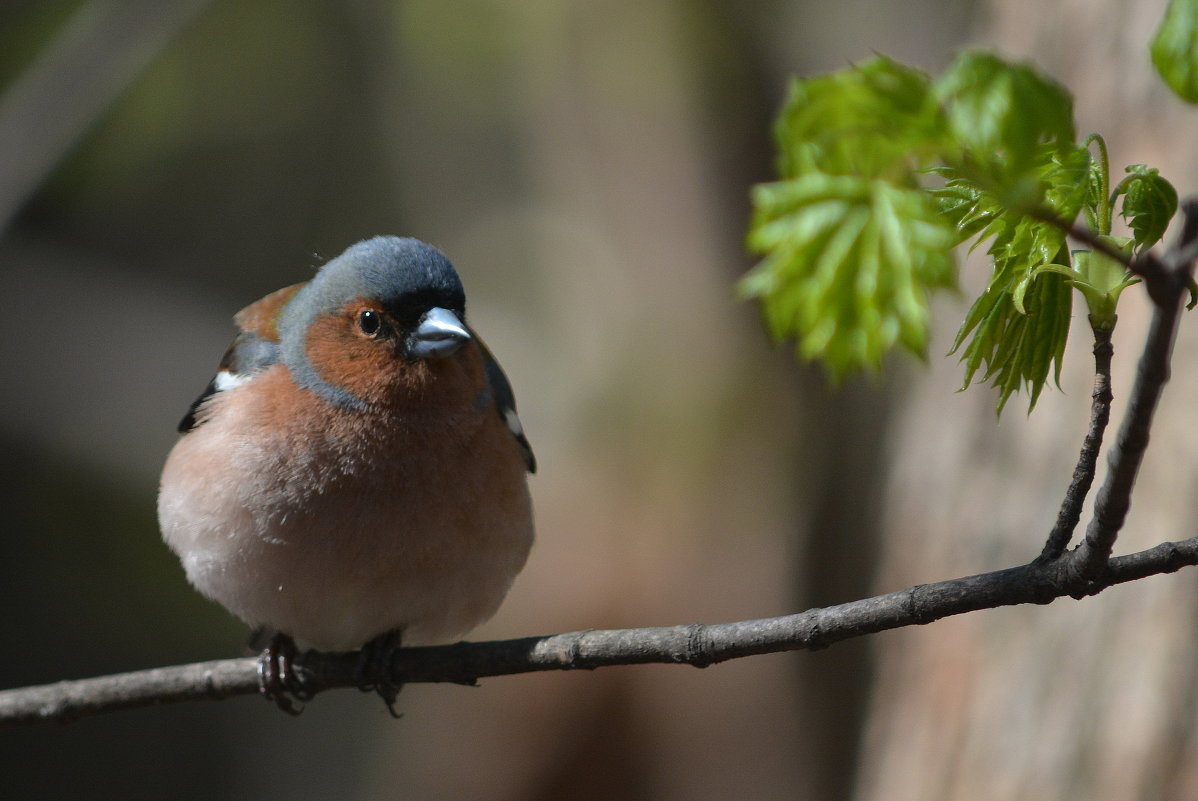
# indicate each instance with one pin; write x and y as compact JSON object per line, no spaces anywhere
{"x":698,"y":644}
{"x":1088,"y":570}
{"x":1114,"y":497}
{"x":1167,"y":282}
{"x":1087,"y":460}
{"x":1095,"y":242}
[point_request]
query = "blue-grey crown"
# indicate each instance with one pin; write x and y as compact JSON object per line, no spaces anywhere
{"x":396,"y":271}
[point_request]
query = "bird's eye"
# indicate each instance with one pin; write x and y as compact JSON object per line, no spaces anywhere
{"x":369,"y":322}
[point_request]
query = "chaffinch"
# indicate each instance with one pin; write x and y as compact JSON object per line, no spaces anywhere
{"x":356,"y":469}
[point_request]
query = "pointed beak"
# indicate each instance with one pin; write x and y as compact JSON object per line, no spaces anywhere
{"x":440,"y":333}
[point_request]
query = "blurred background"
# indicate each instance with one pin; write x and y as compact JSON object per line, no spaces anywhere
{"x":586,"y":166}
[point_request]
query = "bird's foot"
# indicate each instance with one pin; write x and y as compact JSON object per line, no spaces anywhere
{"x":277,"y":679}
{"x":373,"y":672}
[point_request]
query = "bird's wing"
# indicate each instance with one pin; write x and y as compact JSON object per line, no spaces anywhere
{"x":255,"y":348}
{"x":505,"y":403}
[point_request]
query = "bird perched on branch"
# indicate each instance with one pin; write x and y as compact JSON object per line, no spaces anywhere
{"x":356,"y":470}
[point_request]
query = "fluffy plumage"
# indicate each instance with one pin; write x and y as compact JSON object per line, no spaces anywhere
{"x":357,"y":466}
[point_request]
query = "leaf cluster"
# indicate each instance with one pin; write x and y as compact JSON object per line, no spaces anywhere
{"x":885,"y":171}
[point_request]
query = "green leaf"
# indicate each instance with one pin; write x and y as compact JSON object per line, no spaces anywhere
{"x":1175,"y":49}
{"x":1018,"y":350}
{"x":1021,"y":288}
{"x":1015,"y":332}
{"x":1097,"y":204}
{"x":1061,"y":181}
{"x":1001,"y":113}
{"x":876,"y":119}
{"x":852,"y":245}
{"x":849,"y":263}
{"x":1101,"y":280}
{"x":1066,"y":178}
{"x":970,"y":209}
{"x":1055,"y":187}
{"x":1149,"y":203}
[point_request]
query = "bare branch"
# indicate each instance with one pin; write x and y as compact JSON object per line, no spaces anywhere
{"x":1167,"y":283}
{"x":1087,"y":460}
{"x":698,"y":644}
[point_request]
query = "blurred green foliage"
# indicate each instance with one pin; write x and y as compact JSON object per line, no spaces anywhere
{"x":884,"y":171}
{"x":1175,"y":49}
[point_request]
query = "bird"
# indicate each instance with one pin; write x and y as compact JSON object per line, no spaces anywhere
{"x":355,"y":474}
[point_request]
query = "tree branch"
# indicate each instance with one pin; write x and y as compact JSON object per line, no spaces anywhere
{"x":1086,"y":571}
{"x":698,"y":644}
{"x":1087,"y":460}
{"x":1167,"y":282}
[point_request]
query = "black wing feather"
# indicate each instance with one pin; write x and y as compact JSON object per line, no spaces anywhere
{"x":247,"y":354}
{"x":505,"y":405}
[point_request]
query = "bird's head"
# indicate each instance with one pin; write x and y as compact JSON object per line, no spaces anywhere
{"x":382,"y":316}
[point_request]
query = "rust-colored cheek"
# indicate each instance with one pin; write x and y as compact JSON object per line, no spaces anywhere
{"x":373,"y":369}
{"x":369,"y":369}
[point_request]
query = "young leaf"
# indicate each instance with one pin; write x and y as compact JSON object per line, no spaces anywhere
{"x":1175,"y":49}
{"x":853,"y":245}
{"x":1016,"y":331}
{"x":875,"y":119}
{"x":996,"y":109}
{"x":969,"y":208}
{"x":1066,"y":175}
{"x":1101,"y":280}
{"x":1021,"y":243}
{"x":1097,"y":202}
{"x":1018,"y":349}
{"x":1149,"y":203}
{"x":848,"y":266}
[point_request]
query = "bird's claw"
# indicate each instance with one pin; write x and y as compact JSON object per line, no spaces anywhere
{"x":373,"y":672}
{"x":278,"y":681}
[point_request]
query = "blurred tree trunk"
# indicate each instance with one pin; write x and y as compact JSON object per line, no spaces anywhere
{"x":641,"y":127}
{"x":1090,"y":700}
